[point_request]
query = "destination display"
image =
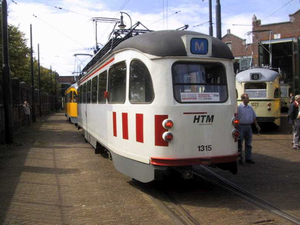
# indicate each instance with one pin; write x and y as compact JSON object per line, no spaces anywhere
{"x":199,"y":97}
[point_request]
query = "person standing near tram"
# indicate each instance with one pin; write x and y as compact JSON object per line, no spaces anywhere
{"x":294,"y":120}
{"x":26,"y":108}
{"x":247,"y":117}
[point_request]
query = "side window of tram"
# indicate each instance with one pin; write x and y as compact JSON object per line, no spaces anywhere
{"x":276,"y":93}
{"x":84,"y":93}
{"x":69,"y":97}
{"x":102,"y":87}
{"x":140,"y":84}
{"x":73,"y":96}
{"x":88,"y":91}
{"x":79,"y":95}
{"x":117,"y":83}
{"x":94,"y":89}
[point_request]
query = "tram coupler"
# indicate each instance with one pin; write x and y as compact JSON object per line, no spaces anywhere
{"x":186,"y":173}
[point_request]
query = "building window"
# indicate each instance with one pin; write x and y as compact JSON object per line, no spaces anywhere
{"x":228,"y":45}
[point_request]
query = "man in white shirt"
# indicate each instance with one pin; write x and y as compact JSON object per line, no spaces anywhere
{"x":247,"y":117}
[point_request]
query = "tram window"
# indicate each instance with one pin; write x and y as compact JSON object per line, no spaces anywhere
{"x":70,"y":97}
{"x":256,"y":90}
{"x":79,"y":95}
{"x":102,"y":87}
{"x":74,"y":97}
{"x":117,"y":83}
{"x":199,"y":82}
{"x":84,"y":93}
{"x":88,"y":91}
{"x":94,"y":89}
{"x":140,"y":84}
{"x":276,"y":93}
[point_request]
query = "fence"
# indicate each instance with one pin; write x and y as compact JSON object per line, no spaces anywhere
{"x":22,"y":92}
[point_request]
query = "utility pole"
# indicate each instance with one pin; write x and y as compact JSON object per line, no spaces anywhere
{"x":51,"y":96}
{"x":211,"y":33}
{"x":55,"y":91}
{"x":32,"y":77}
{"x":7,"y":93}
{"x":39,"y":77}
{"x":218,"y":19}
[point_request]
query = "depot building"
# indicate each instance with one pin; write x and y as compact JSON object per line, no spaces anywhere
{"x":276,"y":45}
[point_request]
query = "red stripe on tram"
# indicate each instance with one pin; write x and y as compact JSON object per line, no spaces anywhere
{"x":125,"y":125}
{"x":139,"y":127}
{"x":115,"y":123}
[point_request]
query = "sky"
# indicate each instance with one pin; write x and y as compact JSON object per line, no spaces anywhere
{"x":64,"y":28}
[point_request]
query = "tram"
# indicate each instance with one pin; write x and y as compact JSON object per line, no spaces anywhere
{"x":71,"y":103}
{"x":285,"y":97}
{"x":263,"y":87}
{"x":159,"y":101}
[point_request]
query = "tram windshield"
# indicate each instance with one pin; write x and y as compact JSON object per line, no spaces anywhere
{"x":199,"y":82}
{"x":256,"y":90}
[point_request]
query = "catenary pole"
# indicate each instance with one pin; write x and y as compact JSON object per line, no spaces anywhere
{"x":32,"y":77}
{"x":218,"y":19}
{"x":6,"y":87}
{"x":211,"y":33}
{"x":39,"y":79}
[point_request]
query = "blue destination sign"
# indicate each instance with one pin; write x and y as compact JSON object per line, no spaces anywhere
{"x":199,"y":46}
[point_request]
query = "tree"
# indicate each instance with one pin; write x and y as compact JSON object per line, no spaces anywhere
{"x":19,"y":59}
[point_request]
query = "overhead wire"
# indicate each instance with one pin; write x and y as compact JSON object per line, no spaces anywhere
{"x":277,"y":9}
{"x":163,"y":18}
{"x":57,"y":7}
{"x":35,"y":16}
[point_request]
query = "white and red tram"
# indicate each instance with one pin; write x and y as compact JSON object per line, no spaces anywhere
{"x":162,"y":100}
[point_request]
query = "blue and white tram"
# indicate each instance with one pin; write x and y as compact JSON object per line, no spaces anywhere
{"x":162,"y":100}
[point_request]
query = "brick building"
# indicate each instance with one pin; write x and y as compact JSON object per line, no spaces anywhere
{"x":276,"y":45}
{"x":242,"y":52}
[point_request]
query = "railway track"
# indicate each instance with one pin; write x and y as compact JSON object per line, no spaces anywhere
{"x":181,"y":216}
{"x":169,"y":205}
{"x":215,"y":179}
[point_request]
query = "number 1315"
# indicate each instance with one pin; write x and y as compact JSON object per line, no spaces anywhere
{"x":202,"y":148}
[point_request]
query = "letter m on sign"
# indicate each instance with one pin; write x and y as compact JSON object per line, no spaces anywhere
{"x":199,"y":46}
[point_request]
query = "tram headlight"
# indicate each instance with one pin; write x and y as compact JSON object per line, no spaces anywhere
{"x":269,"y":108}
{"x":167,"y":136}
{"x":269,"y":104}
{"x":167,"y":124}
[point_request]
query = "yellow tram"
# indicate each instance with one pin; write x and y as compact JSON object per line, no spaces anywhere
{"x":263,"y":87}
{"x":71,"y":103}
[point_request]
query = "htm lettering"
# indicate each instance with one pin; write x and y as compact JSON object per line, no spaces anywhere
{"x":203,"y":119}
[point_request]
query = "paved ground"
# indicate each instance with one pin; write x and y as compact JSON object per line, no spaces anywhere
{"x":51,"y":176}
